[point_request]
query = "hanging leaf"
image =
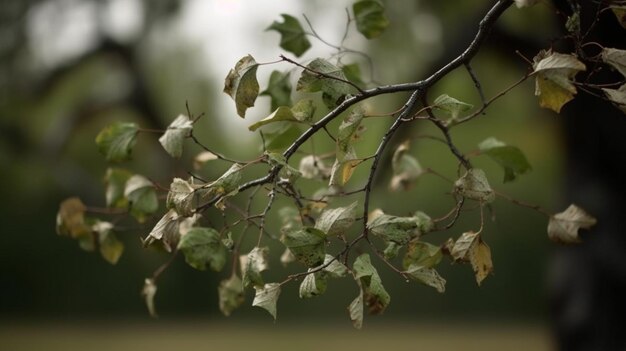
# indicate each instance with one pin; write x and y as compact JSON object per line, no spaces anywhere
{"x":115,"y":181}
{"x":202,"y":158}
{"x":391,"y":250}
{"x":563,"y":227}
{"x":617,"y":96}
{"x":353,"y":73}
{"x":307,"y":245}
{"x":313,"y":167}
{"x":303,"y":110}
{"x":406,"y":168}
{"x":175,"y":134}
{"x":620,"y":13}
{"x":376,"y":297}
{"x":337,"y":220}
{"x":241,"y":84}
{"x":148,"y":292}
{"x":400,"y":230}
{"x":202,"y":247}
{"x":510,"y":158}
{"x":267,"y":297}
{"x":231,"y":294}
{"x":356,"y":310}
{"x":554,"y":75}
{"x":165,"y":231}
{"x":279,"y":90}
{"x":347,"y":132}
{"x":287,"y":257}
{"x":334,"y":269}
{"x":451,"y":106}
{"x":471,"y":248}
{"x":70,"y":219}
{"x":283,"y":113}
{"x":312,"y":285}
{"x":323,"y":76}
{"x":252,"y":264}
{"x":117,"y":140}
{"x":427,"y":276}
{"x":110,"y":247}
{"x":615,"y":58}
{"x":181,"y":197}
{"x":474,"y":185}
{"x":142,"y":197}
{"x":293,"y":37}
{"x":188,"y":223}
{"x":344,"y":167}
{"x":280,"y":135}
{"x":422,"y":254}
{"x":370,"y":18}
{"x":225,"y":185}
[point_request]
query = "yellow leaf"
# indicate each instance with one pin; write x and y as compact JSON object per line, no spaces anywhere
{"x":480,"y":259}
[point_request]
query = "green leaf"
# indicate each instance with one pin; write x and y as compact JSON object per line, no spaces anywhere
{"x":293,"y":37}
{"x":241,"y":84}
{"x":422,"y":254}
{"x":428,"y":276}
{"x":353,"y":73}
{"x":148,"y":292}
{"x":323,"y":76}
{"x":252,"y":264}
{"x":334,"y":269}
{"x":313,"y":285}
{"x":202,"y":247}
{"x":406,"y":168}
{"x":617,"y":96}
{"x":563,"y":227}
{"x":348,"y":130}
{"x":142,"y":197}
{"x":286,"y":172}
{"x":280,"y":135}
{"x":356,"y":311}
{"x":510,"y":158}
{"x":279,"y":90}
{"x":267,"y":297}
{"x":615,"y":58}
{"x":231,"y":294}
{"x":307,"y":245}
{"x":175,"y":134}
{"x":391,"y":250}
{"x":165,"y":231}
{"x":115,"y":181}
{"x":110,"y":247}
{"x":474,"y":185}
{"x":370,"y":18}
{"x":554,"y":74}
{"x":338,"y":220}
{"x":376,"y":297}
{"x":620,"y":13}
{"x":70,"y":219}
{"x":225,"y":185}
{"x":283,"y":113}
{"x":451,"y":106}
{"x":400,"y":229}
{"x":117,"y":140}
{"x":303,"y":110}
{"x":471,"y":248}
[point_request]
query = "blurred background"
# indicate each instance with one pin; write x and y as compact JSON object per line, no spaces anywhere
{"x":70,"y":67}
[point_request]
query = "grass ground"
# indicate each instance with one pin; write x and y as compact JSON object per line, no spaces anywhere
{"x":232,"y":337}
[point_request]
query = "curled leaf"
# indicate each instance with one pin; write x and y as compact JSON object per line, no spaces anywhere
{"x":471,"y":248}
{"x":336,"y":221}
{"x":110,"y":247}
{"x":615,"y":58}
{"x":165,"y":231}
{"x":474,"y":185}
{"x":376,"y":297}
{"x":406,"y":168}
{"x":427,"y":276}
{"x":355,"y":309}
{"x":148,"y":292}
{"x":202,"y":247}
{"x":252,"y":264}
{"x":554,"y":75}
{"x":202,"y":158}
{"x":241,"y":84}
{"x":141,"y":196}
{"x":231,"y":294}
{"x":563,"y":227}
{"x":71,"y":219}
{"x":312,"y":285}
{"x":617,"y":96}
